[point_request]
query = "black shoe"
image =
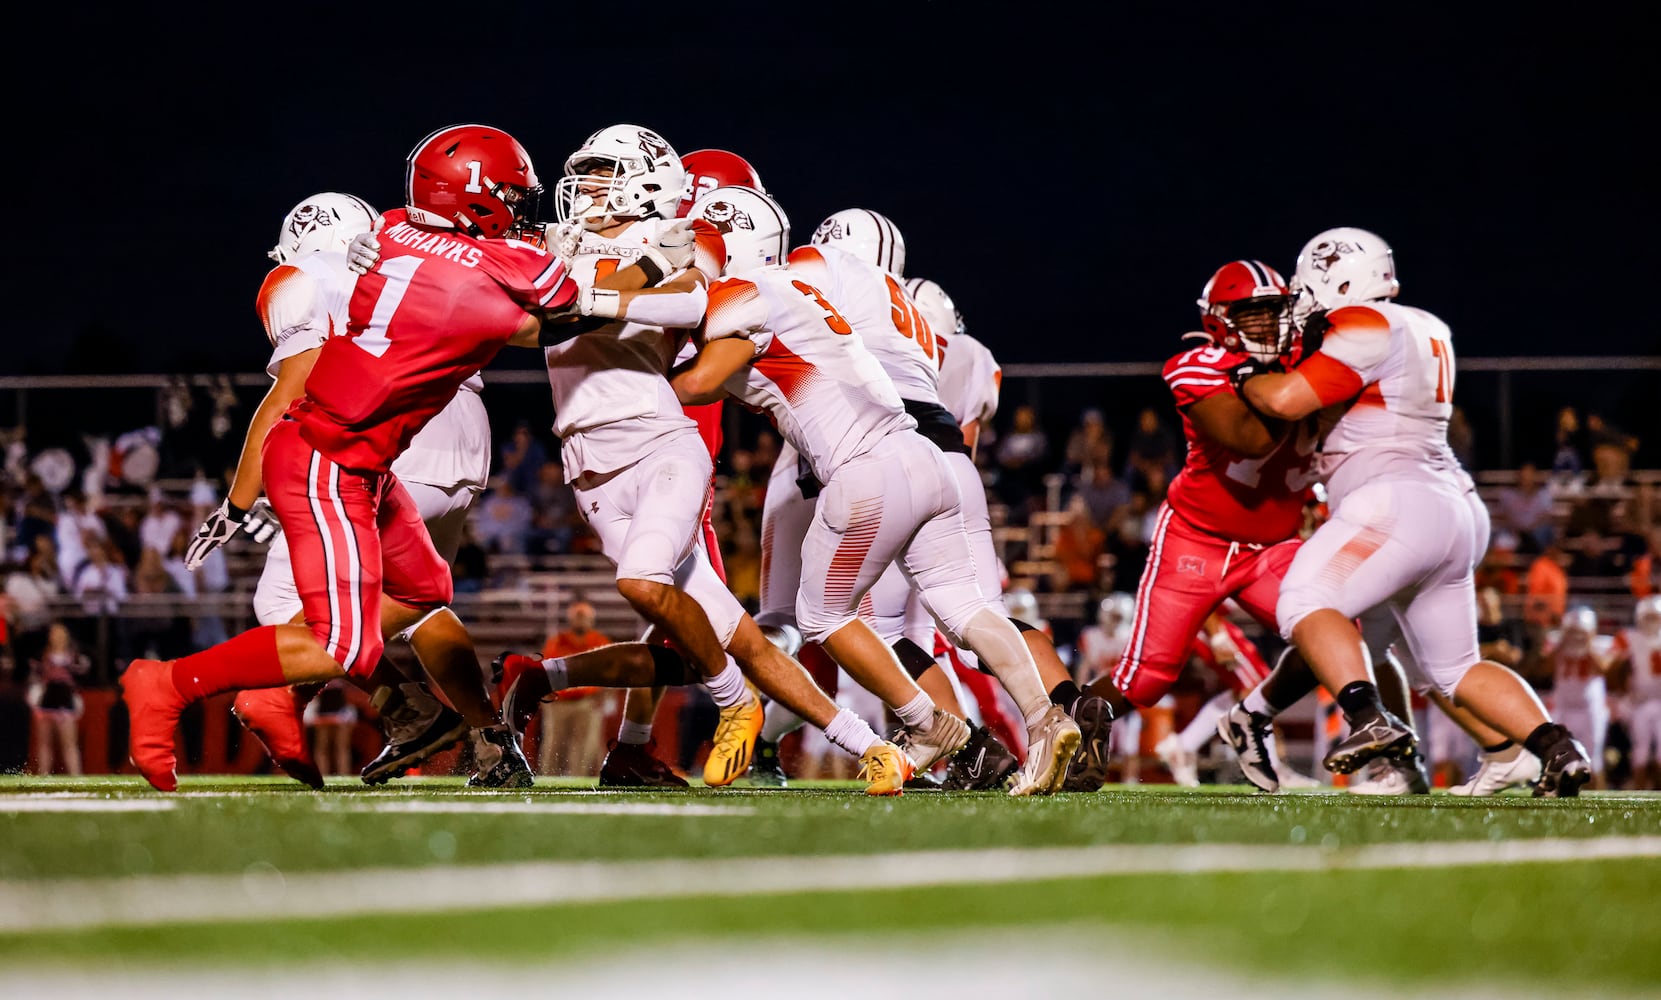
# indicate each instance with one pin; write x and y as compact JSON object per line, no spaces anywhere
{"x":1088,"y":771}
{"x":984,"y":763}
{"x":1251,"y":736}
{"x":924,"y":782}
{"x":1564,"y":767}
{"x":631,"y":765}
{"x":1417,"y":773}
{"x":766,"y":771}
{"x":501,"y":762}
{"x":1377,"y":734}
{"x":416,"y":725}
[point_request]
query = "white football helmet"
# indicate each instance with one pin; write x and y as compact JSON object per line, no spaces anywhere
{"x":1342,"y":267}
{"x":1647,"y":615}
{"x":866,"y":235}
{"x":752,"y":225}
{"x":325,"y":221}
{"x":645,"y":179}
{"x":936,"y":306}
{"x":1116,"y":611}
{"x":1023,"y":606}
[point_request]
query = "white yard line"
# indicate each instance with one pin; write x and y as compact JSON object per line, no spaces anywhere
{"x":262,"y":893}
{"x":31,"y":804}
{"x":466,"y":807}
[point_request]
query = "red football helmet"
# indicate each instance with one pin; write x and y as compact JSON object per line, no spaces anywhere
{"x":473,"y":178}
{"x":708,"y":169}
{"x":1245,"y":307}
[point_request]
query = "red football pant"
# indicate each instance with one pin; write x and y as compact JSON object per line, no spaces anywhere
{"x":1189,"y":574}
{"x":351,"y":537}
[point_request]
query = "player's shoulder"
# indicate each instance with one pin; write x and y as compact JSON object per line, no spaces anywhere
{"x":806,"y":256}
{"x":1200,"y":359}
{"x":1362,"y":320}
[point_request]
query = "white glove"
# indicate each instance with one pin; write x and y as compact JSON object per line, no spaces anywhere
{"x":365,"y":251}
{"x":674,"y":248}
{"x":218,"y":529}
{"x":261,"y":522}
{"x":564,"y":239}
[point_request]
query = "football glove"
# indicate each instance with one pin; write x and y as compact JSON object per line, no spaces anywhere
{"x":1249,"y":369}
{"x":221,"y":525}
{"x":261,"y":522}
{"x":364,"y":253}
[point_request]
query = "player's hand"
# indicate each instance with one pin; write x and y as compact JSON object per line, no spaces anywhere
{"x":1249,"y":369}
{"x":261,"y":522}
{"x":365,"y":251}
{"x":674,"y":248}
{"x":564,"y":238}
{"x":221,"y":525}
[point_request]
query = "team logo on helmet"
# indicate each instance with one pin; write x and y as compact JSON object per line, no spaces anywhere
{"x":652,"y":144}
{"x":1327,"y":254}
{"x":830,"y":229}
{"x":726,"y":216}
{"x":307,"y":216}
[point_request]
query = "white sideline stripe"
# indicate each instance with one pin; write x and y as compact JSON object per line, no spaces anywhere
{"x":462,"y":807}
{"x":20,"y":804}
{"x":262,"y":893}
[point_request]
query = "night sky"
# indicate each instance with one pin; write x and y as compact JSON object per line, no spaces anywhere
{"x":1071,"y":185}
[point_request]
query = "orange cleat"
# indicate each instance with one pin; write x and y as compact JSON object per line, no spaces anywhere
{"x":275,"y":717}
{"x":153,"y":707}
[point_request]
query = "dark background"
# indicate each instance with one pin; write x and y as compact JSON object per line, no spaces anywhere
{"x":1071,"y":175}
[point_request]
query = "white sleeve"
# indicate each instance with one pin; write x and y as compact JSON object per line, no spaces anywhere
{"x":295,"y":315}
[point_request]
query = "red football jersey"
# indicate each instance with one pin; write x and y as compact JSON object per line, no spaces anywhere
{"x":437,"y":309}
{"x":1254,"y":500}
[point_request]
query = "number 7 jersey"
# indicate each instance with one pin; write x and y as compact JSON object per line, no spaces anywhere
{"x":1258,"y":501}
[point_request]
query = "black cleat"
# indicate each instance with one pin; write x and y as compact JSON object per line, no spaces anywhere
{"x":416,"y":726}
{"x":1088,"y":771}
{"x":923,"y":782}
{"x":983,"y":764}
{"x":631,"y":765}
{"x":1378,"y":734}
{"x":1251,"y":736}
{"x":1564,"y":767}
{"x":766,"y":771}
{"x":501,"y":762}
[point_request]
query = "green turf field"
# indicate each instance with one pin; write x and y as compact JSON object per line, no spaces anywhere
{"x":1437,"y":895}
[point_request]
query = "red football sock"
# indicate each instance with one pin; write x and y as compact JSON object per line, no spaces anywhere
{"x":247,"y":661}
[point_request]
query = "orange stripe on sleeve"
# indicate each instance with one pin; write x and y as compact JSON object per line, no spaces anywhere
{"x":1332,"y":380}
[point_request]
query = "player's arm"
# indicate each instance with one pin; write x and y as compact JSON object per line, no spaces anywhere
{"x":700,"y":379}
{"x":668,"y":285}
{"x":290,"y":385}
{"x":1226,"y":419}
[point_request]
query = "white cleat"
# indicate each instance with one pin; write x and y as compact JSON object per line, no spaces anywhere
{"x":926,"y":745}
{"x":1495,"y":776}
{"x":1183,"y":764}
{"x":1051,"y":744}
{"x":1291,"y":780}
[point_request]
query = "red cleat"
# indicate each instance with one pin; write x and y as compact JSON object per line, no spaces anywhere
{"x":153,"y":707}
{"x":275,"y":717}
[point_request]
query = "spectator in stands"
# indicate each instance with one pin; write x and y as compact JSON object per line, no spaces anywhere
{"x":1022,"y":458}
{"x":1611,"y":449}
{"x":556,"y":519}
{"x":100,"y":582}
{"x":1546,"y":589}
{"x":123,"y":520}
{"x":37,"y":515}
{"x":1527,"y":508}
{"x":504,"y":519}
{"x":471,"y":569}
{"x":79,"y":531}
{"x":1499,"y":568}
{"x":1078,"y":549}
{"x":53,"y":694}
{"x":1087,"y":438}
{"x":155,"y":637}
{"x":1153,"y":455}
{"x":1462,"y":438}
{"x":1106,"y":495}
{"x":1597,"y":545}
{"x":212,"y":577}
{"x":31,"y":589}
{"x":330,"y":718}
{"x":1500,"y":636}
{"x":162,"y":523}
{"x":764,"y":454}
{"x":522,"y":459}
{"x":1569,"y":457}
{"x":573,"y":719}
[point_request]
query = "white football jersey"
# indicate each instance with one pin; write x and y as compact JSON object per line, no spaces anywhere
{"x":826,"y":392}
{"x":305,"y":301}
{"x":1099,"y":651}
{"x":1644,"y":656}
{"x":1397,"y":425}
{"x":610,"y":385}
{"x":970,"y":378}
{"x":881,"y":312}
{"x":1577,"y":670}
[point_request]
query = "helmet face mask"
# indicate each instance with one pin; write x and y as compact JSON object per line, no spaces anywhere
{"x":325,"y":221}
{"x":753,"y":226}
{"x":867,"y":235}
{"x":621,"y":172}
{"x":1342,"y":267}
{"x":475,"y":179}
{"x":1246,"y":307}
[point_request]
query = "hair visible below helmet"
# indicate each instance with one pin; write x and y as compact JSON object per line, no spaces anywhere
{"x":646,"y":179}
{"x":1342,"y":267}
{"x":936,"y":306}
{"x":1647,"y":615}
{"x":708,"y":169}
{"x":865,"y":234}
{"x":474,"y":178}
{"x":752,"y":224}
{"x":1116,"y":611}
{"x":1257,"y":291}
{"x":325,"y":221}
{"x":1022,"y":606}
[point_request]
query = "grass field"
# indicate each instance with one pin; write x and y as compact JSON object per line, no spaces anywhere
{"x":254,"y":886}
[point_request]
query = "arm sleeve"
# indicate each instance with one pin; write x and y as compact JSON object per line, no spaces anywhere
{"x":668,"y":309}
{"x":736,"y":309}
{"x":296,"y":319}
{"x":1352,"y":354}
